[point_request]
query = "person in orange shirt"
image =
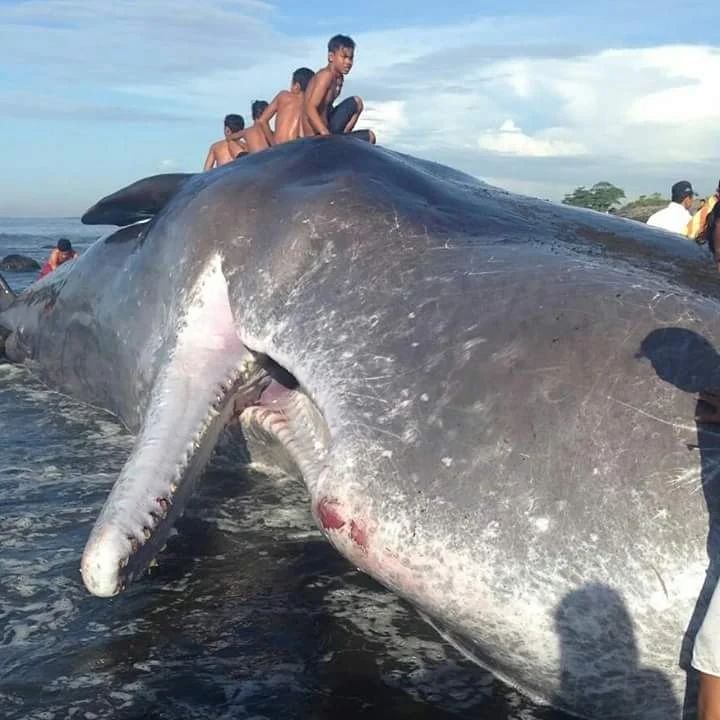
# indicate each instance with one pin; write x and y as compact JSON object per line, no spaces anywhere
{"x":59,"y":255}
{"x":696,"y":226}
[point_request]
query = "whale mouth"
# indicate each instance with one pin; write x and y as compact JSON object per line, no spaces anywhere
{"x":211,"y":381}
{"x":286,"y":414}
{"x":256,"y":403}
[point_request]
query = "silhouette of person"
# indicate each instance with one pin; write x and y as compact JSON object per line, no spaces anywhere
{"x":599,"y":659}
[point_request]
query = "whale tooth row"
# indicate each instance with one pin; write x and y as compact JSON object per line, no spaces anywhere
{"x":307,"y":450}
{"x":241,"y":372}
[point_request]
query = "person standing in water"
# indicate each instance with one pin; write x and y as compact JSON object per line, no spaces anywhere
{"x":61,"y":254}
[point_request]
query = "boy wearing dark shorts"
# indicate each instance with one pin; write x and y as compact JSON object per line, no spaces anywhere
{"x":321,"y":116}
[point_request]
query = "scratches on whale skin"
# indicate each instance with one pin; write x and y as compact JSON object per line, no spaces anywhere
{"x":679,"y":426}
{"x":662,"y":582}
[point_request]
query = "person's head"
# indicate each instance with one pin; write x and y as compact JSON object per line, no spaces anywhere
{"x":65,"y":249}
{"x":341,"y":52}
{"x":683,"y":193}
{"x":234,"y":123}
{"x":258,"y":108}
{"x":300,"y":79}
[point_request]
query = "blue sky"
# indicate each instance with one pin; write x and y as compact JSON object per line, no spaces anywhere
{"x":536,"y":98}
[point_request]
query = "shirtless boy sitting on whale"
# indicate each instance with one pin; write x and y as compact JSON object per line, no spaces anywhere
{"x":321,"y":116}
{"x":287,"y":109}
{"x":226,"y":150}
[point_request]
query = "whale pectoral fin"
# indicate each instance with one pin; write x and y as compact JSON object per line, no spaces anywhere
{"x":191,"y":402}
{"x":139,"y":201}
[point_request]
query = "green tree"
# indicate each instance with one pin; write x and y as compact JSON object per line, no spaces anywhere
{"x":601,"y":196}
{"x":654,"y":199}
{"x":642,"y":208}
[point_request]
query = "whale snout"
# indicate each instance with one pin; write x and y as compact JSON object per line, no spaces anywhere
{"x":103,"y":561}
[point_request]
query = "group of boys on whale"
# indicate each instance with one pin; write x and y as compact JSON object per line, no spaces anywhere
{"x":306,"y":109}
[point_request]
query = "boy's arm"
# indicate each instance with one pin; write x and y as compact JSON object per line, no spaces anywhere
{"x":240,"y":146}
{"x":210,"y":159}
{"x":264,"y":120}
{"x":314,"y":100}
{"x":52,"y":260}
{"x":239,"y":135}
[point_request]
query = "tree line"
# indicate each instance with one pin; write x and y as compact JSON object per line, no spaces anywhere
{"x":605,"y":197}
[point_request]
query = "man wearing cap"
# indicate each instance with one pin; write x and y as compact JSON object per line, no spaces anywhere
{"x":676,"y":216}
{"x":59,"y":255}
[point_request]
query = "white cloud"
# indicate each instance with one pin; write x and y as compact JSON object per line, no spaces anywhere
{"x":638,"y":117}
{"x":633,"y":104}
{"x":388,"y":119}
{"x":512,"y":140}
{"x":543,"y":114}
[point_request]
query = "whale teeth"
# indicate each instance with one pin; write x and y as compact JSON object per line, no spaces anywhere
{"x":147,"y":533}
{"x":173,"y":488}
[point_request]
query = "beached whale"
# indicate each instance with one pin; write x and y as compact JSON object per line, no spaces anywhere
{"x":490,"y":399}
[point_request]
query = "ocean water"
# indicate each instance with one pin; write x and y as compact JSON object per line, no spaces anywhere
{"x":250,"y":614}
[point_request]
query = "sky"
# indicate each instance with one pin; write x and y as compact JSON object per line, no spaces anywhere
{"x":537,"y":98}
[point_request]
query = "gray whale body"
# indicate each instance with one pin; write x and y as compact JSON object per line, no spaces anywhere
{"x":490,"y":399}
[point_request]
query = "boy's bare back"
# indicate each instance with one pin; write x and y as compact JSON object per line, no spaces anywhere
{"x":288,"y":121}
{"x":287,"y":108}
{"x":255,"y":139}
{"x":223,"y":152}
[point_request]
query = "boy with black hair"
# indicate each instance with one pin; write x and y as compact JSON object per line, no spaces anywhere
{"x":230,"y":147}
{"x":287,"y":109}
{"x":321,"y":116}
{"x":255,"y":136}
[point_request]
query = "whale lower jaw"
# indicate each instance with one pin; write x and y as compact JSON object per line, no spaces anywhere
{"x":210,"y":380}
